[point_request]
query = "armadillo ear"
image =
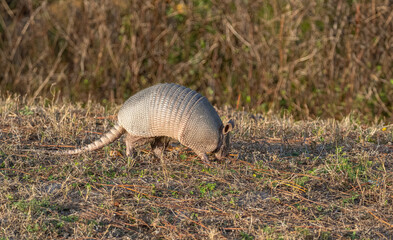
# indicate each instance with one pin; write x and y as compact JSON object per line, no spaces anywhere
{"x":228,"y":127}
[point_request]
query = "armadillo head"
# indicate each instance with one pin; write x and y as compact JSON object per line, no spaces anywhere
{"x":225,"y":141}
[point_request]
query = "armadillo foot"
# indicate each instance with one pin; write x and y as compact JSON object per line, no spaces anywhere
{"x":158,"y":152}
{"x":159,"y":145}
{"x":204,"y":158}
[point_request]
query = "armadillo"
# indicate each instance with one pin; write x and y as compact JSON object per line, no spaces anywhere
{"x":164,"y":111}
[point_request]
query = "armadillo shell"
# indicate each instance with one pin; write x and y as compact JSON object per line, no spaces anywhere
{"x":174,"y":111}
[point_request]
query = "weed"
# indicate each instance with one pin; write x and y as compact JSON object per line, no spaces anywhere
{"x":26,"y":111}
{"x":245,"y":236}
{"x":302,"y":180}
{"x":69,"y":218}
{"x":33,"y":228}
{"x":206,"y":188}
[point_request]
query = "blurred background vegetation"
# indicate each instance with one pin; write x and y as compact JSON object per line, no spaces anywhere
{"x":304,"y":58}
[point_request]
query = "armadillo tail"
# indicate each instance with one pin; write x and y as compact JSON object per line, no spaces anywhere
{"x":109,"y":137}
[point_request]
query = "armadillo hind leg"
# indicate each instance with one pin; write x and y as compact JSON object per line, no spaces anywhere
{"x":134,"y":141}
{"x":159,"y":145}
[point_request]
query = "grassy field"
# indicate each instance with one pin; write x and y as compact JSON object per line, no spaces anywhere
{"x":284,"y":179}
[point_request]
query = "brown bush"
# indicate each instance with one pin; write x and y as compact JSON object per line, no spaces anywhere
{"x":308,"y":58}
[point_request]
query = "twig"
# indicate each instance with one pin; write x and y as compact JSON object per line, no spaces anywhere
{"x":380,"y":219}
{"x":198,"y":223}
{"x":279,"y":171}
{"x":24,"y":30}
{"x":301,"y":197}
{"x":175,"y":206}
{"x":7,"y":8}
{"x":16,"y":170}
{"x":52,"y":71}
{"x":236,"y":229}
{"x":244,"y":41}
{"x":238,"y":102}
{"x":133,"y":190}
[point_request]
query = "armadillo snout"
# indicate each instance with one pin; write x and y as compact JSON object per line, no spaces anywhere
{"x":223,"y":150}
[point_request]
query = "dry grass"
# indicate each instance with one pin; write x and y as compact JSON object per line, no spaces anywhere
{"x":309,"y":58}
{"x":285,"y":179}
